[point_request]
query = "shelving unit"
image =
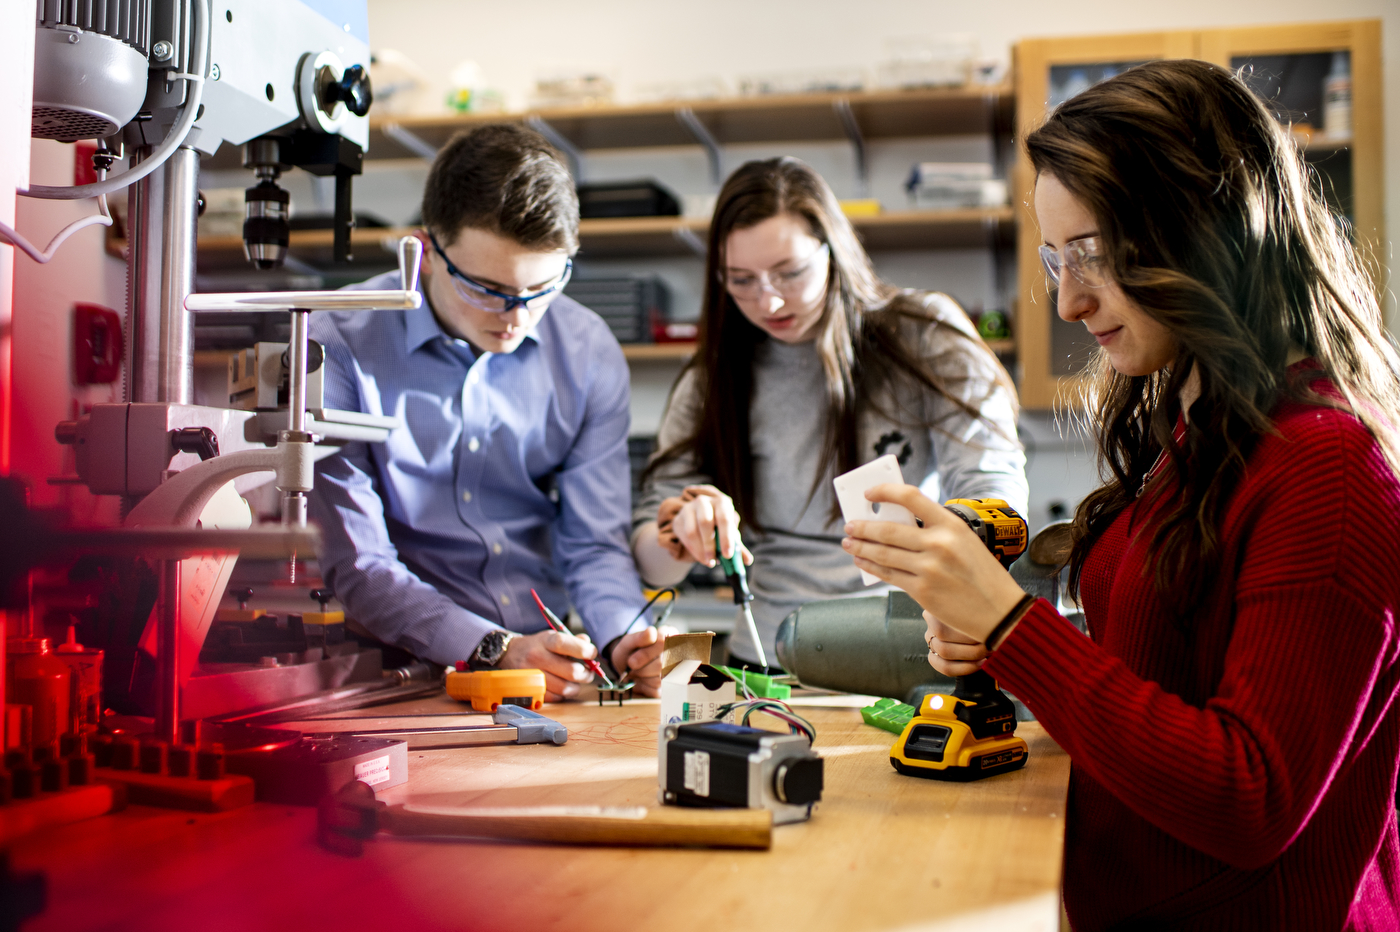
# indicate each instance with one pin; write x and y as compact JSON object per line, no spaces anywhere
{"x":783,"y":118}
{"x":667,"y":236}
{"x":854,"y":119}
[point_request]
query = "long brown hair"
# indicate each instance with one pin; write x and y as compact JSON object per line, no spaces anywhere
{"x":862,"y":336}
{"x":1215,"y":226}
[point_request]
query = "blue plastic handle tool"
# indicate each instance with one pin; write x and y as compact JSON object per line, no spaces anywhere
{"x":530,"y":727}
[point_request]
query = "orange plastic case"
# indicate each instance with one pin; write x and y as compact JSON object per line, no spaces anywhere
{"x":486,"y":690}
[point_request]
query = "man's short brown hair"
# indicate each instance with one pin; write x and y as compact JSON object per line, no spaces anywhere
{"x":505,"y":179}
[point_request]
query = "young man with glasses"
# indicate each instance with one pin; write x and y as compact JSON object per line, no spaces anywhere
{"x":510,"y":472}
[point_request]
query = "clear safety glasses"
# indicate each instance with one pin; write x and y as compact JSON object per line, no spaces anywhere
{"x":1083,"y":257}
{"x":488,"y":299}
{"x":749,"y":286}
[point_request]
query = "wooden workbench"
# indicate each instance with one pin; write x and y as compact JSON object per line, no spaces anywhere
{"x":880,"y":852}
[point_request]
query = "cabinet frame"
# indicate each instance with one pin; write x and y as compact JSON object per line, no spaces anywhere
{"x":1033,"y":58}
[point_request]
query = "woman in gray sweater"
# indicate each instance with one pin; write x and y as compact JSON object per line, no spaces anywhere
{"x":807,"y":367}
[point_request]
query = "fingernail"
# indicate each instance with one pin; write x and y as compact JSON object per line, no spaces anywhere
{"x":571,"y":690}
{"x":846,"y":543}
{"x":850,"y":528}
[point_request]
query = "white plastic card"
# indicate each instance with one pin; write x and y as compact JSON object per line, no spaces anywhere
{"x":850,"y":493}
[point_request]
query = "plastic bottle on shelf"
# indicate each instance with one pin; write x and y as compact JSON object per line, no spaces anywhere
{"x":1336,"y":99}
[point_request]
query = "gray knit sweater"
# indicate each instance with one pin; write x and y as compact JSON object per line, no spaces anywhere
{"x":799,"y":557}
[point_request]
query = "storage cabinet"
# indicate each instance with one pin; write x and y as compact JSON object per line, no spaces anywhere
{"x":1285,"y":64}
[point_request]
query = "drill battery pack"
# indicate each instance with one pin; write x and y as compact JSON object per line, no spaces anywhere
{"x":488,"y":690}
{"x":961,"y":738}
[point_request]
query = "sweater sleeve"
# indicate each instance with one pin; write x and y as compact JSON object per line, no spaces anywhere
{"x":1306,"y":674}
{"x":677,"y":423}
{"x":978,"y":456}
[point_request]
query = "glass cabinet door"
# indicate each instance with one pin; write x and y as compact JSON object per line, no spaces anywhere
{"x":1052,"y":353}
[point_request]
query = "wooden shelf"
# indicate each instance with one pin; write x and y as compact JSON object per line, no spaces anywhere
{"x":651,"y":352}
{"x":775,"y":118}
{"x":659,"y":236}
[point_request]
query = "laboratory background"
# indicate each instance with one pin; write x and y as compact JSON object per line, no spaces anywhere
{"x":913,"y":112}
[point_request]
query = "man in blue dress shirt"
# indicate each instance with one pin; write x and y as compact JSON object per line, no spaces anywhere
{"x":511,"y":469}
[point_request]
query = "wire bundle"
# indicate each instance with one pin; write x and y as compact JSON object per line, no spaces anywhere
{"x":797,"y":725}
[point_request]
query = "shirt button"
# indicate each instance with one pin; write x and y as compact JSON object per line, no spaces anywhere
{"x":505,"y":600}
{"x":495,"y":548}
{"x":473,"y":444}
{"x":466,"y":496}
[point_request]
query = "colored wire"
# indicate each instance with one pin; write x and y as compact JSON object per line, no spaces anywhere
{"x":776,"y":708}
{"x":650,"y":602}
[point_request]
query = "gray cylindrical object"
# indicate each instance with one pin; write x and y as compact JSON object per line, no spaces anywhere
{"x":873,"y":646}
{"x":86,"y":85}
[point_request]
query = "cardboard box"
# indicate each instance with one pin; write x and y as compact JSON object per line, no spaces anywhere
{"x":692,"y":691}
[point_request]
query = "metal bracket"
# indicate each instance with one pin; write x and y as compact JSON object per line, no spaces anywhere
{"x":702,"y":135}
{"x":561,"y":142}
{"x":857,"y":140}
{"x":410,"y":141}
{"x":690,"y":239}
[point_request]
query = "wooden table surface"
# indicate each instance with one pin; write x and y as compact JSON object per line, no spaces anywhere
{"x":881,"y":851}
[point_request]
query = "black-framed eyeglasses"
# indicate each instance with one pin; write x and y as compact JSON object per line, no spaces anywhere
{"x":498,"y":302}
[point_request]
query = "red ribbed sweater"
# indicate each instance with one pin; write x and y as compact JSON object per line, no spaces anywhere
{"x":1238,"y":772}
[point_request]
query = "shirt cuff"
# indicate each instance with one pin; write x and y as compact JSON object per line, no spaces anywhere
{"x":458,"y":639}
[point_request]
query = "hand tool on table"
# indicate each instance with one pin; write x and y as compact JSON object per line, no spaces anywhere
{"x":972,"y":733}
{"x":510,"y":725}
{"x":734,"y":573}
{"x":352,"y":816}
{"x":486,"y":690}
{"x":553,"y":621}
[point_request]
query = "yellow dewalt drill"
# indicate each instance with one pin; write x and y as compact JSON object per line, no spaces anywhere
{"x":972,"y":733}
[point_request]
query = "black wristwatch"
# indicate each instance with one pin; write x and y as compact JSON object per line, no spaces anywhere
{"x":492,"y":648}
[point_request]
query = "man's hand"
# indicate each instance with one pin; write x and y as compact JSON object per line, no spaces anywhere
{"x":686,"y":525}
{"x":942,"y":565}
{"x":555,"y":654}
{"x":640,"y":652}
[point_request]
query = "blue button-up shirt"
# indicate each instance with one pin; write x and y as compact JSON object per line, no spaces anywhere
{"x":510,"y":473}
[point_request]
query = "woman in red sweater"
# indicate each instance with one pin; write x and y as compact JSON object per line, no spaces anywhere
{"x":1232,"y":718}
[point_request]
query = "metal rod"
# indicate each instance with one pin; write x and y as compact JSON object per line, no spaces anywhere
{"x":176,"y":372}
{"x":702,"y":135}
{"x":410,"y":140}
{"x":296,"y":370}
{"x":857,"y":140}
{"x":572,"y":154}
{"x":168,"y":653}
{"x":143,"y":264}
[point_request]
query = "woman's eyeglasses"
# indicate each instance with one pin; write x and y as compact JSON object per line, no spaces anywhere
{"x":749,"y":286}
{"x":1083,"y":257}
{"x":498,"y":302}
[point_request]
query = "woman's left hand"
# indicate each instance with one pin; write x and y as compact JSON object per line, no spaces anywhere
{"x":943,"y":565}
{"x":952,"y":653}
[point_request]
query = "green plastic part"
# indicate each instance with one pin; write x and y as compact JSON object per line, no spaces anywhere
{"x":761,"y":685}
{"x":888,"y":714}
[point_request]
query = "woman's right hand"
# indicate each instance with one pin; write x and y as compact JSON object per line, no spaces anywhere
{"x":686,"y":525}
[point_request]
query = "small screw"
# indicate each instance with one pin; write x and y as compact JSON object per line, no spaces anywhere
{"x":214,"y":72}
{"x":162,"y":50}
